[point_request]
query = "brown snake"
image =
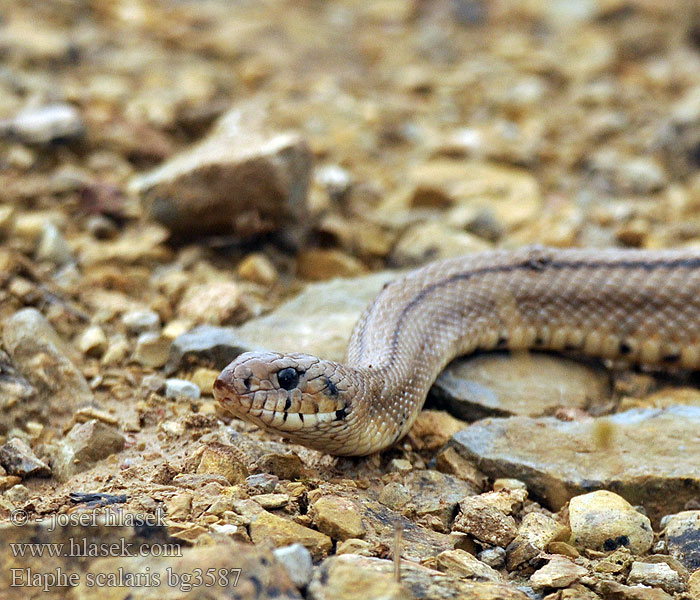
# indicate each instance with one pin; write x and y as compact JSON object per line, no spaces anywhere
{"x":643,"y":306}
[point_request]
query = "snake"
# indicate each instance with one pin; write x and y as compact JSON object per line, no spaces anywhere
{"x":640,"y":306}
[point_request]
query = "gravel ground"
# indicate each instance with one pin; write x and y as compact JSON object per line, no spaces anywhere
{"x":182,"y":181}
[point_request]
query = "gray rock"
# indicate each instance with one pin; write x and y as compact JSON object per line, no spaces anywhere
{"x":53,"y":247}
{"x":45,"y":124}
{"x":535,"y":533}
{"x":83,"y":446}
{"x":239,"y":180}
{"x":139,"y":321}
{"x":682,"y":533}
{"x":296,"y":560}
{"x":264,"y":482}
{"x":181,"y":388}
{"x":352,"y":577}
{"x":493,"y":557}
{"x":656,"y":575}
{"x":18,"y":402}
{"x":395,"y":495}
{"x":484,"y":518}
{"x":45,"y":361}
{"x":647,"y":456}
{"x":215,"y":346}
{"x":317,"y":321}
{"x":529,"y":384}
{"x":18,"y":459}
{"x":436,"y":496}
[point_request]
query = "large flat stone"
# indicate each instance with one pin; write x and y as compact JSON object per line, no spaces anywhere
{"x":524,"y":383}
{"x":649,"y":457}
{"x":318,"y":321}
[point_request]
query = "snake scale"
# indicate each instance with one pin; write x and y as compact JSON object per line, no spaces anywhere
{"x":640,"y":305}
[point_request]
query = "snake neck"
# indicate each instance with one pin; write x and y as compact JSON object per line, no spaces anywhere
{"x":384,"y":405}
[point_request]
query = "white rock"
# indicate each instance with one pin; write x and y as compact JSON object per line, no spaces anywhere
{"x":46,"y":124}
{"x":93,"y":341}
{"x":181,"y":388}
{"x":296,"y":559}
{"x":53,"y":247}
{"x":138,"y":321}
{"x":655,"y":575}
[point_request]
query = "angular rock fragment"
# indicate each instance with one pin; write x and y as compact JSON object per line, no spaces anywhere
{"x":682,"y":534}
{"x":18,"y":459}
{"x":83,"y":446}
{"x":350,"y":576}
{"x":239,"y":180}
{"x":45,"y":361}
{"x":647,"y":456}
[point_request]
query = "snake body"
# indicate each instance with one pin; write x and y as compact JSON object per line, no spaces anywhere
{"x":643,"y":306}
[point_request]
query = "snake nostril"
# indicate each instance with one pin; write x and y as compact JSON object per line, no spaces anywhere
{"x":218,"y":384}
{"x":246,"y":382}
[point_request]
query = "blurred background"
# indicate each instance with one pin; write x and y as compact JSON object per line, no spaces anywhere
{"x":436,"y":127}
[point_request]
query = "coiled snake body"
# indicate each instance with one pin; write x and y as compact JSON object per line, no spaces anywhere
{"x":643,"y":306}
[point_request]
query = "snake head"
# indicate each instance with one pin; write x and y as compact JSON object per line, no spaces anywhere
{"x":296,"y":395}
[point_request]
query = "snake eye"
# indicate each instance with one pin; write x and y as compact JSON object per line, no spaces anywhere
{"x":288,"y":378}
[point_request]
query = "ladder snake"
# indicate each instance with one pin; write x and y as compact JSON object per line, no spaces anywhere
{"x":640,"y":305}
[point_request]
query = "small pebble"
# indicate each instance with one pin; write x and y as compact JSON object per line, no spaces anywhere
{"x":46,"y":124}
{"x":93,"y":341}
{"x":272,"y":501}
{"x":655,"y":575}
{"x":140,"y":321}
{"x":559,"y":572}
{"x":338,"y":518}
{"x":401,"y":465}
{"x":493,"y":557}
{"x":264,"y":482}
{"x":508,"y":484}
{"x":297,"y":562}
{"x":181,"y":388}
{"x":101,"y":227}
{"x":258,"y":269}
{"x":117,"y":350}
{"x":153,"y":382}
{"x":17,"y":494}
{"x":152,"y":349}
{"x":52,"y":246}
{"x":394,"y":495}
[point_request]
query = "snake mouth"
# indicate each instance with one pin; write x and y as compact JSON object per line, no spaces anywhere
{"x":251,"y":406}
{"x":278,"y":420}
